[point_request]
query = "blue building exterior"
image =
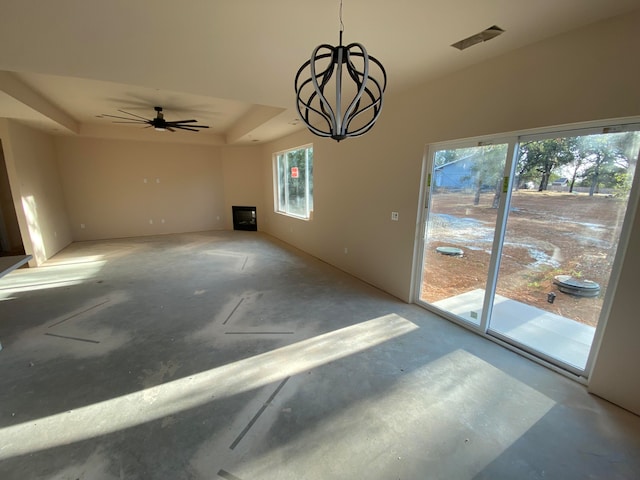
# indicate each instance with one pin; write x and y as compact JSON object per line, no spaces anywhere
{"x":456,"y":174}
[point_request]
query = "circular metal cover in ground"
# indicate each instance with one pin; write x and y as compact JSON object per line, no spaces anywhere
{"x":574,"y":286}
{"x":452,"y":251}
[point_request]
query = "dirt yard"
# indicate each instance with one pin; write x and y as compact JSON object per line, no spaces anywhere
{"x":548,"y":234}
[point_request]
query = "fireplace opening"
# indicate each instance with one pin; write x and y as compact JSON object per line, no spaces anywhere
{"x":244,"y":218}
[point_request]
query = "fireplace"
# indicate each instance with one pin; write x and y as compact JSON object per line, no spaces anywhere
{"x":244,"y":218}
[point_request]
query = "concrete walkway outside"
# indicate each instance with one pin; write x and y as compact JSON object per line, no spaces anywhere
{"x":558,"y":337}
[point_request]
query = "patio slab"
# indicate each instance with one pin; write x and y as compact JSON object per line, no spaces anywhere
{"x":556,"y":336}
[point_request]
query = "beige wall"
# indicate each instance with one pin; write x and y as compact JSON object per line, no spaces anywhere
{"x":355,"y":191}
{"x":35,"y":184}
{"x":105,"y":189}
{"x":586,"y":75}
{"x":243,"y":181}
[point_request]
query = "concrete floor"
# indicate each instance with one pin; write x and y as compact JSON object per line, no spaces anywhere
{"x":228,"y":355}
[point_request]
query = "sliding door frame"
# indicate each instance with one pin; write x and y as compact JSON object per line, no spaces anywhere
{"x":514,"y":140}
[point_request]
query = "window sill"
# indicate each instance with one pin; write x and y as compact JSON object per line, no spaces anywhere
{"x":297,"y":217}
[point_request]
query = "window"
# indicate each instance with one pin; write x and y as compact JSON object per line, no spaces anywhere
{"x":293,"y":179}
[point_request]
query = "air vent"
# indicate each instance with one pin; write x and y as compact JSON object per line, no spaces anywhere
{"x":483,"y":36}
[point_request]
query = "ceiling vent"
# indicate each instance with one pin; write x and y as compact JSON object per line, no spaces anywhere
{"x":483,"y":36}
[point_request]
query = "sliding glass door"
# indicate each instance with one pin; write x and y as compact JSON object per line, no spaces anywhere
{"x":520,"y":236}
{"x":465,"y":189}
{"x":563,"y":230}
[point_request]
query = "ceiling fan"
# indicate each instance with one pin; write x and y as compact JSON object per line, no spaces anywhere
{"x":158,"y":123}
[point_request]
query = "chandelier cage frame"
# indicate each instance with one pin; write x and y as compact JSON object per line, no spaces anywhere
{"x":315,"y":108}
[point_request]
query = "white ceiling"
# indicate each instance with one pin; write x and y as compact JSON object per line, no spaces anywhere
{"x":231,"y":64}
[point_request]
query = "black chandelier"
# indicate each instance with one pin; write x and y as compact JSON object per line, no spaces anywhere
{"x":356,"y":105}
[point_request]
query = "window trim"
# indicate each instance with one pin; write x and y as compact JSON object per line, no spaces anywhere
{"x":276,"y":183}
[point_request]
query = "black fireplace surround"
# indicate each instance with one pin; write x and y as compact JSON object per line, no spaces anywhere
{"x":244,"y":218}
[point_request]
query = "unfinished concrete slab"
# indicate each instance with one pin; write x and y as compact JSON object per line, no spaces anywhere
{"x":229,"y":355}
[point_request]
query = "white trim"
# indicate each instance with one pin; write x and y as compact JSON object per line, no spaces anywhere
{"x":543,"y":132}
{"x":276,"y":183}
{"x":499,"y":232}
{"x":418,"y":244}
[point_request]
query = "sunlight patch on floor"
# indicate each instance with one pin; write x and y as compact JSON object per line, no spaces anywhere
{"x":457,"y":405}
{"x":201,"y":388}
{"x":40,"y":278}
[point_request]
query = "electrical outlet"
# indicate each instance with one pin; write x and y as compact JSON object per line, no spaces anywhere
{"x":150,"y":222}
{"x":82,"y":225}
{"x":394,"y":216}
{"x":346,"y":250}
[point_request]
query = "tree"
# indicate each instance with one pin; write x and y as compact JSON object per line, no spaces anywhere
{"x":523,"y":171}
{"x":543,"y":156}
{"x":576,"y":167}
{"x":444,"y":157}
{"x":488,"y":168}
{"x":606,"y":158}
{"x":576,"y":164}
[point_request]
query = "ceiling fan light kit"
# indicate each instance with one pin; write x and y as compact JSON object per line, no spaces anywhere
{"x":158,"y":123}
{"x":336,"y":114}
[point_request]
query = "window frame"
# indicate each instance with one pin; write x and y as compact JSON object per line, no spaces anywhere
{"x":280,"y":190}
{"x":581,"y":374}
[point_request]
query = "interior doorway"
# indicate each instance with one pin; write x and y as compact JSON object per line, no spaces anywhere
{"x":521,"y":236}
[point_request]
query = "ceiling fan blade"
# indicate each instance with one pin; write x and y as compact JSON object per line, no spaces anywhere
{"x":190,"y":126}
{"x":124,"y":118}
{"x":185,"y":128}
{"x":134,"y":115}
{"x":159,"y":123}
